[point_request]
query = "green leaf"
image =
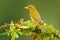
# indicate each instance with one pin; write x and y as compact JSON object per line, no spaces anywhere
{"x":3,"y":33}
{"x":13,"y":37}
{"x":19,"y":32}
{"x":21,"y":20}
{"x":16,"y":35}
{"x":24,"y":27}
{"x":46,"y":38}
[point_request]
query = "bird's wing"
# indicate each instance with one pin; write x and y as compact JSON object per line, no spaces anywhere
{"x":35,"y":17}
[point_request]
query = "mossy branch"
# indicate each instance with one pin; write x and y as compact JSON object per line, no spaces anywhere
{"x":16,"y":29}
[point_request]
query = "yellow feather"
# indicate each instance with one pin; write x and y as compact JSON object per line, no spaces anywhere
{"x":35,"y":16}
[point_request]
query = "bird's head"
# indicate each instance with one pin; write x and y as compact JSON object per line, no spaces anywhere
{"x":30,"y":7}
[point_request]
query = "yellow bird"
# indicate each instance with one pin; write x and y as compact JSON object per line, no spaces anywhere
{"x":35,"y":16}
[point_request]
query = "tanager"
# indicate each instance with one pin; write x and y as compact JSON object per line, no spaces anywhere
{"x":34,"y":15}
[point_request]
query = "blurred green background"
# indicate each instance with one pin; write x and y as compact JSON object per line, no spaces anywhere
{"x":14,"y":10}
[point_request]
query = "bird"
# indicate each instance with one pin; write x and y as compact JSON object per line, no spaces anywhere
{"x":34,"y":15}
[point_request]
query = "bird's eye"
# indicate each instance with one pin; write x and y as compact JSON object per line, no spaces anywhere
{"x":29,"y":7}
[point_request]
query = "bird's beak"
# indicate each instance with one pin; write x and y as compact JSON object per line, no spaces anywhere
{"x":25,"y":7}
